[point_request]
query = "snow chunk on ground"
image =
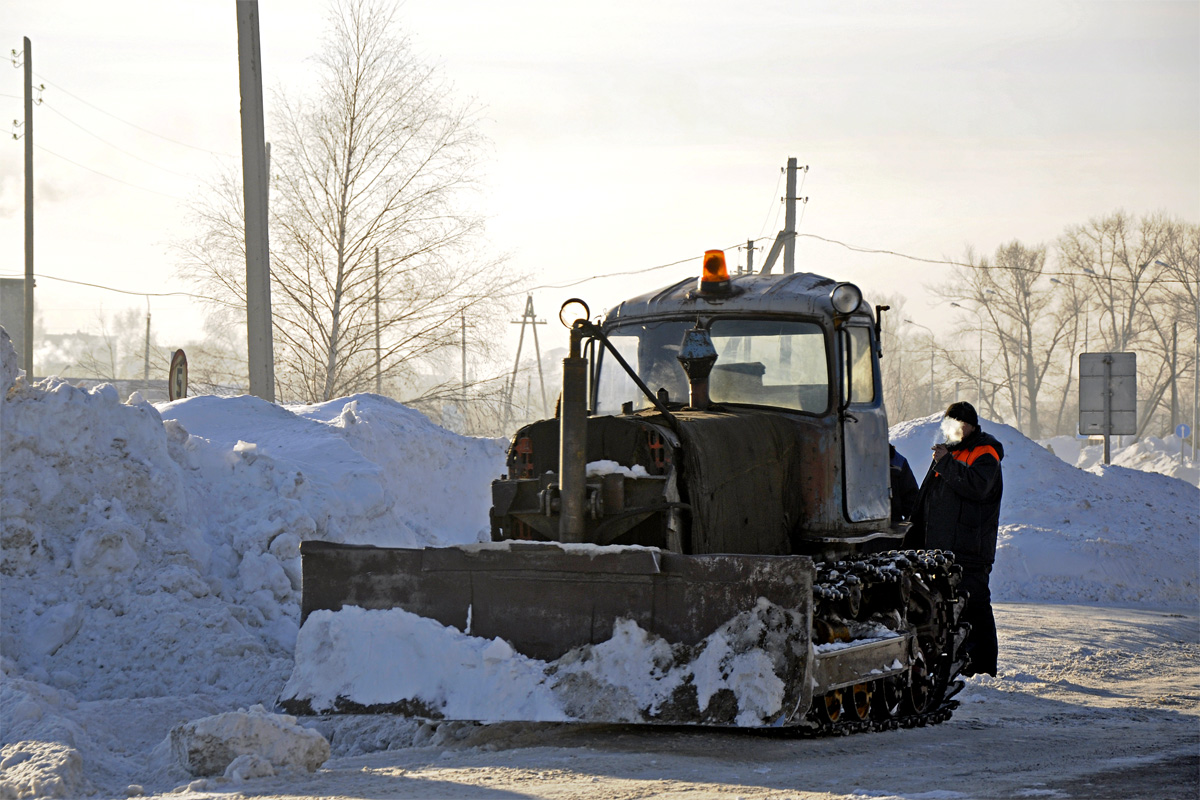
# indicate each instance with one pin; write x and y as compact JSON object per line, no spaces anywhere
{"x":247,"y":744}
{"x":41,"y":769}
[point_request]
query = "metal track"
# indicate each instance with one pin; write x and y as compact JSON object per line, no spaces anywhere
{"x":918,"y":590}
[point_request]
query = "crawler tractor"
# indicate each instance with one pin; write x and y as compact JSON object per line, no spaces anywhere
{"x":717,"y":472}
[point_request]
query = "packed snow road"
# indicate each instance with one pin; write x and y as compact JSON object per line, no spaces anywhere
{"x":1091,"y":702}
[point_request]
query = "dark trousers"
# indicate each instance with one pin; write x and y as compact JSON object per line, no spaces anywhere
{"x":982,"y":643}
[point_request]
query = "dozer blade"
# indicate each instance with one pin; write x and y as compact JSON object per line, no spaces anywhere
{"x":599,"y":634}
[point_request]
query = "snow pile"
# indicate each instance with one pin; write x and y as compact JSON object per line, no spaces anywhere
{"x":246,"y":744}
{"x":1150,"y":454}
{"x":1105,"y":534}
{"x":150,"y":556}
{"x":354,"y":659}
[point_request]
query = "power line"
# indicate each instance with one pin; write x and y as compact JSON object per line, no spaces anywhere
{"x":131,"y":124}
{"x":774,"y":202}
{"x":609,"y":275}
{"x":110,"y":177}
{"x":126,"y":291}
{"x":857,"y":249}
{"x":113,"y":146}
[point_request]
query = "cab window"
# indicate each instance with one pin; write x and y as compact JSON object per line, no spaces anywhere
{"x":759,"y":362}
{"x":858,"y":379}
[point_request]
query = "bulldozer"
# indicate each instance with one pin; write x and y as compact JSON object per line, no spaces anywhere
{"x":714,"y":489}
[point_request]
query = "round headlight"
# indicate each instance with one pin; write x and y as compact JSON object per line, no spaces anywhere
{"x":572,"y":310}
{"x":846,"y":298}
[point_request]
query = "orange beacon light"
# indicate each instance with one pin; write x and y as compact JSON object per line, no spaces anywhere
{"x":715,"y":277}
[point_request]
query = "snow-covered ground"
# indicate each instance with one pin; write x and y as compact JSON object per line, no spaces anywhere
{"x":149,"y":600}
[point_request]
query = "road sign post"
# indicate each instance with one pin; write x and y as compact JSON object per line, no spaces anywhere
{"x":1108,"y":395}
{"x":177,"y":377}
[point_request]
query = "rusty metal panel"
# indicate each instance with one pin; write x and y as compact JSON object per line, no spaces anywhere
{"x":544,"y":599}
{"x":855,"y":664}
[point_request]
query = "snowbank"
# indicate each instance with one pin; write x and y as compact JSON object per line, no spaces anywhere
{"x":153,"y":553}
{"x":1105,"y":534}
{"x":355,"y":658}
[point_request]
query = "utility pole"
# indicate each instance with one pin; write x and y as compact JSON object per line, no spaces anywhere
{"x":749,"y":256}
{"x":255,"y":181}
{"x":527,"y":318}
{"x":146,"y":365}
{"x":785,"y":240}
{"x":28,"y":133}
{"x":1174,"y":376}
{"x":1020,"y":373}
{"x":463,"y":317}
{"x":1196,"y":357}
{"x":789,"y":224}
{"x":378,"y":351}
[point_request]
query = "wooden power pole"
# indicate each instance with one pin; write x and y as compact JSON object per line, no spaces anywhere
{"x":28,"y":133}
{"x":254,"y":179}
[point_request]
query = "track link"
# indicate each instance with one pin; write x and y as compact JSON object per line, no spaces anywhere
{"x":907,"y":591}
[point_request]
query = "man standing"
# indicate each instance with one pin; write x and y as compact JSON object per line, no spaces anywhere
{"x":958,"y":509}
{"x":904,"y":486}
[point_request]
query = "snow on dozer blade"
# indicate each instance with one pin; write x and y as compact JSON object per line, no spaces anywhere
{"x":600,"y":634}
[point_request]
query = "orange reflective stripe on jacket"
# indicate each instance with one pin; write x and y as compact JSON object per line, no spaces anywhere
{"x":969,"y":457}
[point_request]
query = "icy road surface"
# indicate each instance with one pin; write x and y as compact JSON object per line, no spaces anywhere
{"x":1091,"y":702}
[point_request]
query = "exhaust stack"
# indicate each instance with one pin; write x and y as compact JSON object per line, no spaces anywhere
{"x":572,"y":459}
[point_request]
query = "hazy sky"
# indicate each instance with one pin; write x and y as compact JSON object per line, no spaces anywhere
{"x":632,"y":134}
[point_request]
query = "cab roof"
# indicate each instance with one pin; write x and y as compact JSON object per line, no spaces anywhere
{"x":754,"y":294}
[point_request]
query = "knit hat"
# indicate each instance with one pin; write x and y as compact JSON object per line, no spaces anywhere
{"x":963,"y":412}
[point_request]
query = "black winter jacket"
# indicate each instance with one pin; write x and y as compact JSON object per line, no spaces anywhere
{"x":958,"y":508}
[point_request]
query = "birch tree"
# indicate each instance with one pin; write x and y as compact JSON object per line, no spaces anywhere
{"x":371,"y":231}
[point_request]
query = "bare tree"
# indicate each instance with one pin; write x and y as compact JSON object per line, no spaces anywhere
{"x":904,"y":369}
{"x":120,"y":351}
{"x":1024,"y":323}
{"x":370,"y":232}
{"x":1179,"y":290}
{"x":1121,"y":259}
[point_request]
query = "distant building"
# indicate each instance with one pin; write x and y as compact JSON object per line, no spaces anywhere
{"x":12,"y":313}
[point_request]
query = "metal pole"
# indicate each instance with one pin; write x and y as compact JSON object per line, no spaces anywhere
{"x":789,"y":226}
{"x":932,"y":399}
{"x":378,"y":359}
{"x":572,"y":459}
{"x":1174,"y":377}
{"x":1020,"y":375}
{"x":980,"y":399}
{"x":1107,"y":403}
{"x":254,"y":179}
{"x":537,"y":352}
{"x":146,"y":366}
{"x":28,"y":355}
